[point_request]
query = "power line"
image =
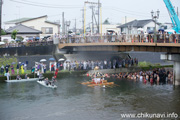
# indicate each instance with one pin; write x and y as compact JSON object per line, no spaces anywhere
{"x":48,"y":4}
{"x":33,"y":4}
{"x":130,"y":13}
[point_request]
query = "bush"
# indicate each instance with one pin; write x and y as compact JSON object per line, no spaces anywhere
{"x":145,"y":64}
{"x":4,"y":61}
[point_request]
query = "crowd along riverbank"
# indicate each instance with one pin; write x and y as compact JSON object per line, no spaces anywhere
{"x":84,"y":72}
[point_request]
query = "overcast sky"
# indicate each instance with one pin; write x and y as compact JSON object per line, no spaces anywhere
{"x":115,"y":10}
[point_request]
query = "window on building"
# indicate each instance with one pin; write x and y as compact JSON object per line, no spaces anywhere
{"x":47,"y":30}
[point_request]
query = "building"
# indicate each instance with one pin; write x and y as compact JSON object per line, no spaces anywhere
{"x":39,"y":23}
{"x":23,"y":32}
{"x":136,"y":26}
{"x":106,"y":27}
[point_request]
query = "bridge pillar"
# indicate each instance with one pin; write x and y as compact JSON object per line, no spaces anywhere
{"x":177,"y":73}
{"x":176,"y":68}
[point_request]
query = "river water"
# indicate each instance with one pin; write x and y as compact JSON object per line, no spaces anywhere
{"x":74,"y":101}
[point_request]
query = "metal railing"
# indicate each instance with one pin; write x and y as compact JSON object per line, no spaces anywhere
{"x":161,"y":38}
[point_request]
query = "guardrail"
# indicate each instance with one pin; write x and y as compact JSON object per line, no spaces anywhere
{"x":161,"y":38}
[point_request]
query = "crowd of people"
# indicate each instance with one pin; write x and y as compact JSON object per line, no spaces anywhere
{"x":19,"y":68}
{"x":70,"y":65}
{"x":9,"y":70}
{"x":121,"y":37}
{"x":155,"y":76}
{"x":102,"y":64}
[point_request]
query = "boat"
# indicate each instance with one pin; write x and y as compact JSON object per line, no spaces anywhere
{"x":23,"y":80}
{"x":97,"y":80}
{"x":101,"y":84}
{"x":44,"y":84}
{"x":91,"y":82}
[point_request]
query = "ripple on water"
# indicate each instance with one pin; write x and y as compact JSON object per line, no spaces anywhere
{"x":71,"y":100}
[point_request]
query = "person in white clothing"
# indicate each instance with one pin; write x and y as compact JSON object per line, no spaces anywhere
{"x":7,"y":75}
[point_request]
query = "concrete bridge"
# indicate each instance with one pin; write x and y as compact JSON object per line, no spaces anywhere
{"x":173,"y":48}
{"x":170,"y":47}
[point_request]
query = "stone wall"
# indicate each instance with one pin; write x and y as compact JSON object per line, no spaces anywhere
{"x":23,"y":51}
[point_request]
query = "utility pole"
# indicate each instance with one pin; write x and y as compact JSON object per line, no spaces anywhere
{"x":82,"y":19}
{"x":92,"y":18}
{"x":75,"y":26}
{"x":98,"y":15}
{"x":0,"y":17}
{"x":63,"y":26}
{"x":59,"y":27}
{"x":98,"y":4}
{"x":125,"y":19}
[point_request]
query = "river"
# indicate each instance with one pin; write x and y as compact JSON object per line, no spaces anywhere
{"x":74,"y":101}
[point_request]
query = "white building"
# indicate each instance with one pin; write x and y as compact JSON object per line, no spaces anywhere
{"x":135,"y":26}
{"x":39,"y":23}
{"x":105,"y":27}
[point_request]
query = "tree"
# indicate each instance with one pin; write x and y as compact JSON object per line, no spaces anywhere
{"x":13,"y":34}
{"x":3,"y":32}
{"x":106,"y":22}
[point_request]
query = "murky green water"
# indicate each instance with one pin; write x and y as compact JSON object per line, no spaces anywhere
{"x":73,"y":101}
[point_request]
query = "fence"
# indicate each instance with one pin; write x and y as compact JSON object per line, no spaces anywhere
{"x":161,"y":38}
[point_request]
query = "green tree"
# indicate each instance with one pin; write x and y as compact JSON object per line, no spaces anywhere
{"x":3,"y":32}
{"x":13,"y":34}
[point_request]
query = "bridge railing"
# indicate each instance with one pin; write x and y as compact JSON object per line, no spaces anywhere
{"x":161,"y":38}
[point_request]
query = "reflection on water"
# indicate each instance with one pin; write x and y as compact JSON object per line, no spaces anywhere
{"x":71,"y":100}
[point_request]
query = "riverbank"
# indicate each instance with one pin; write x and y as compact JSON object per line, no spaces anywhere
{"x":82,"y":72}
{"x":49,"y":75}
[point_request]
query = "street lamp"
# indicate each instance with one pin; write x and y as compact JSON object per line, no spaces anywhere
{"x":155,"y":16}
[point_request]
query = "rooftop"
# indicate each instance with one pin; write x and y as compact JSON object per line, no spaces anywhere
{"x":136,"y":23}
{"x":22,"y":29}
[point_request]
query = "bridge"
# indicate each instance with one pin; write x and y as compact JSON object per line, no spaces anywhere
{"x":170,"y":45}
{"x":123,"y":47}
{"x":122,"y":43}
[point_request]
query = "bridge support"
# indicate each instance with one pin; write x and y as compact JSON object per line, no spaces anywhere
{"x":176,"y":67}
{"x":177,"y":73}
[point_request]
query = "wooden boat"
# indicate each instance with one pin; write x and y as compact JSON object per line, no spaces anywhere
{"x":23,"y":80}
{"x":85,"y":83}
{"x":101,"y":84}
{"x":44,"y":84}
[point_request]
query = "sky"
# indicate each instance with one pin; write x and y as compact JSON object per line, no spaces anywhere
{"x":113,"y":10}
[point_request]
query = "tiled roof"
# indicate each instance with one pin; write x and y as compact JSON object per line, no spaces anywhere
{"x":23,"y":20}
{"x":22,"y":29}
{"x":136,"y":23}
{"x":17,"y":20}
